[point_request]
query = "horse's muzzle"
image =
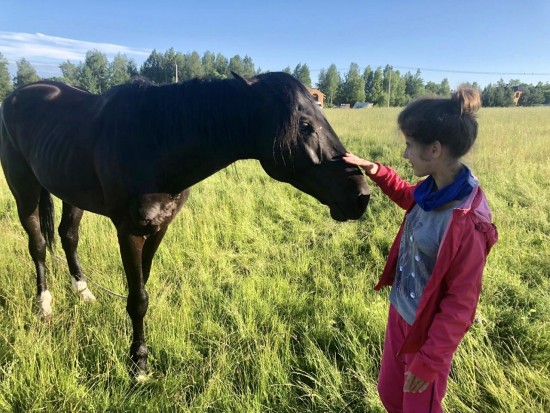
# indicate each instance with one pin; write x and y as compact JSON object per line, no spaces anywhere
{"x":353,"y":211}
{"x":363,"y":201}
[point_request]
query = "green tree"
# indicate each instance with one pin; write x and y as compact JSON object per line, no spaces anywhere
{"x":132,"y":68}
{"x":473,"y":85}
{"x":329,"y":81}
{"x":352,"y":89}
{"x":505,"y":94}
{"x":70,"y":72}
{"x":287,"y":70}
{"x":25,"y":74}
{"x":546,"y":91}
{"x":153,"y":68}
{"x":499,"y":95}
{"x":94,"y":73}
{"x":301,"y":72}
{"x":368,"y":75}
{"x":236,"y":65}
{"x":532,"y":95}
{"x":431,"y":88}
{"x":393,"y":84}
{"x":222,"y":66}
{"x":439,"y":89}
{"x":414,"y":85}
{"x":208,"y":61}
{"x":192,"y":67}
{"x":444,"y":88}
{"x":375,"y":87}
{"x":118,"y":69}
{"x":6,"y":86}
{"x":398,"y":95}
{"x":248,"y":67}
{"x":173,"y":61}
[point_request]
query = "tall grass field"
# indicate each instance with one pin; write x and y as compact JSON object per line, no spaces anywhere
{"x":259,"y":302}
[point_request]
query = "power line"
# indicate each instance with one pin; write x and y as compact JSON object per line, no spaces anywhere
{"x":471,"y":72}
{"x":422,"y":69}
{"x":474,"y":72}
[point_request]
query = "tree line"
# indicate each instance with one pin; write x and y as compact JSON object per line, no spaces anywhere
{"x":379,"y":86}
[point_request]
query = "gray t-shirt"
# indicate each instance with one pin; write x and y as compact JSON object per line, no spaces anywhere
{"x":422,"y":235}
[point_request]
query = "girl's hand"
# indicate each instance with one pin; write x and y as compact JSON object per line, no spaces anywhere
{"x":414,"y":384}
{"x":370,"y":167}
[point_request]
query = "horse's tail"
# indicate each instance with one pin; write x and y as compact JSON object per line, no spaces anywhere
{"x":45,"y":210}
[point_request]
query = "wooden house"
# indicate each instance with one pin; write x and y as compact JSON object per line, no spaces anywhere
{"x":518,"y":91}
{"x":318,"y":96}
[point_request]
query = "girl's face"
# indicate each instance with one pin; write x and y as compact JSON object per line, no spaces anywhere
{"x":420,"y":157}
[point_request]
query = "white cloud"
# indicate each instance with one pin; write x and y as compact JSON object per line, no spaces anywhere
{"x":46,"y":52}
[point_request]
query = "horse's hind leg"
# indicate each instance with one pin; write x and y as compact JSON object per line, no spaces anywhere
{"x":27,"y":192}
{"x":35,"y":211}
{"x":37,"y":248}
{"x":27,"y":197}
{"x":68,"y":232}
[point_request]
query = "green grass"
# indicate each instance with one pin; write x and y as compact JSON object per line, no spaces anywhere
{"x":259,"y":302}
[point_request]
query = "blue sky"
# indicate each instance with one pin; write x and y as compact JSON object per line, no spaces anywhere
{"x":463,"y":41}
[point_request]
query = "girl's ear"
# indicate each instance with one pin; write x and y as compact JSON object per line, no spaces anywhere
{"x":436,"y":149}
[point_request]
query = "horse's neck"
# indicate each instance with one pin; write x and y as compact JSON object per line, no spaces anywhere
{"x":189,"y":161}
{"x":210,"y":135}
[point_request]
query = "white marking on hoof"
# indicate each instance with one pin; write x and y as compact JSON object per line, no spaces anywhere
{"x":142,"y":377}
{"x":44,"y":301}
{"x":81,"y":288}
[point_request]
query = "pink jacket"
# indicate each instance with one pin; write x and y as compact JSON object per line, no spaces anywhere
{"x":448,"y":304}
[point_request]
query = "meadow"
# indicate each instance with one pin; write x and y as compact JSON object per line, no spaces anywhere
{"x":259,"y":302}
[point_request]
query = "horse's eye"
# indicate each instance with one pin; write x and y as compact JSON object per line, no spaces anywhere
{"x":305,"y":127}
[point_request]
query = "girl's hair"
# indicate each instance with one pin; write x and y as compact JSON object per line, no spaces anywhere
{"x":451,"y":121}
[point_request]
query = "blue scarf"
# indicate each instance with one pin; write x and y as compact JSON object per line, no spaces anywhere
{"x":428,"y":199}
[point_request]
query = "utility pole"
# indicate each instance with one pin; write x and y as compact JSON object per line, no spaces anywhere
{"x":389,"y":88}
{"x":176,"y":73}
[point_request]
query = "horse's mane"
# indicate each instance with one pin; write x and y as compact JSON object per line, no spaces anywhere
{"x":205,"y":108}
{"x":214,"y":108}
{"x":286,"y":91}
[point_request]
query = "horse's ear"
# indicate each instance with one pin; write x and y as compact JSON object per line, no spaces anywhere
{"x":246,"y":82}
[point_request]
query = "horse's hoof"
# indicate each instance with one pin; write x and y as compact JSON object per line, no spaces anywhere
{"x":81,"y":288}
{"x":44,"y":302}
{"x":139,"y":370}
{"x":143,"y":377}
{"x":87,"y":296}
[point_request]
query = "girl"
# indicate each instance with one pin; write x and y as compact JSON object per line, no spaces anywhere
{"x":436,"y":261}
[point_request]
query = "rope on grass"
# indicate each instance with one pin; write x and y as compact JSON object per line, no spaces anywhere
{"x":87,"y":278}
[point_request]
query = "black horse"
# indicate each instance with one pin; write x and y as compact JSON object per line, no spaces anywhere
{"x":132,"y":154}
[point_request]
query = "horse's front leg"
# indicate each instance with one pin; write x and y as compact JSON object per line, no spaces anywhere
{"x":131,"y":247}
{"x":149,"y":249}
{"x":172,"y":204}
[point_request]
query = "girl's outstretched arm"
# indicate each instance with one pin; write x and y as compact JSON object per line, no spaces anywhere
{"x":397,"y":189}
{"x":370,"y":167}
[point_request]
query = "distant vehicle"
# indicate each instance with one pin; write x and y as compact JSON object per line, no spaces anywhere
{"x":359,"y":105}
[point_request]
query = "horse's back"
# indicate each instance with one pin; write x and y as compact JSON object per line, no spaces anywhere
{"x":45,"y":111}
{"x":45,"y":92}
{"x":49,"y":127}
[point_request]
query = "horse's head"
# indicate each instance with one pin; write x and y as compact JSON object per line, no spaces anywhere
{"x":306,"y":152}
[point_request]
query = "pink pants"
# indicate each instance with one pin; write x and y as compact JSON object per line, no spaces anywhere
{"x":392,"y":374}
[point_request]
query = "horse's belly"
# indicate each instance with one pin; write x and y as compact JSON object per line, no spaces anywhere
{"x":83,"y":199}
{"x":86,"y":199}
{"x":76,"y":186}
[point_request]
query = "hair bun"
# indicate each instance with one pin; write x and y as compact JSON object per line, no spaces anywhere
{"x":467,"y":99}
